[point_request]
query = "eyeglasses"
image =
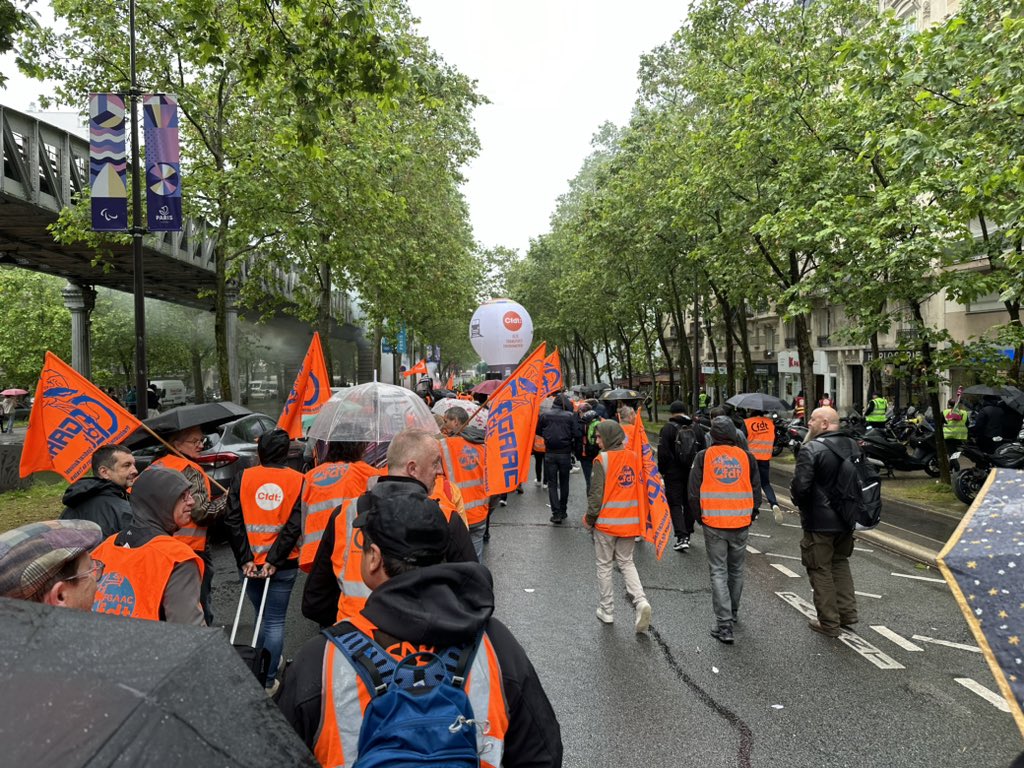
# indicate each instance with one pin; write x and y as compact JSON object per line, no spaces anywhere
{"x":195,"y":441}
{"x":96,"y":569}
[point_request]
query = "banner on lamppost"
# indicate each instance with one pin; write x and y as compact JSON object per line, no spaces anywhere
{"x":108,"y":163}
{"x":163,"y":162}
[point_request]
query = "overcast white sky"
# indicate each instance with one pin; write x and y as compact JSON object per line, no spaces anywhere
{"x":554,"y":70}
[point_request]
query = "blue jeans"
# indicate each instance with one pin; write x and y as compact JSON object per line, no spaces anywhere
{"x":727,"y":552}
{"x":587,"y":465}
{"x":271,"y":634}
{"x":764,"y":468}
{"x":556,"y":472}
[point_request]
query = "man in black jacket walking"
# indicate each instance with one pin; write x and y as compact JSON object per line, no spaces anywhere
{"x":562,"y":433}
{"x":103,"y":498}
{"x":675,"y":470}
{"x":828,"y":541}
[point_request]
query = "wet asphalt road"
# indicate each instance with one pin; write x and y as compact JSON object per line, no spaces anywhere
{"x":782,"y":696}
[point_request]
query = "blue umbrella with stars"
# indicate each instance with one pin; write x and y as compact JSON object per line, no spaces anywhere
{"x":983,"y":563}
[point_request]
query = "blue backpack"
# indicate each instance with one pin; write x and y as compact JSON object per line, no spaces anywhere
{"x":419,"y":715}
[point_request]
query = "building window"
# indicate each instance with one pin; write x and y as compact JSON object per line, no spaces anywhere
{"x":988,"y":303}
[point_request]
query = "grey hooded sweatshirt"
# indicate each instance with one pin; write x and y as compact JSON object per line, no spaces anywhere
{"x":613,"y":438}
{"x":153,"y":496}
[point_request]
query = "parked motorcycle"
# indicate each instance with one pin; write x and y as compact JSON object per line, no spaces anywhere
{"x":967,"y":482}
{"x":796,"y":434}
{"x":905,"y":447}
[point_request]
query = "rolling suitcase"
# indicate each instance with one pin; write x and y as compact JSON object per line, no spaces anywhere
{"x":257,"y":659}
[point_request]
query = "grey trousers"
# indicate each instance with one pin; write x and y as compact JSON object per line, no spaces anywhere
{"x":727,"y":552}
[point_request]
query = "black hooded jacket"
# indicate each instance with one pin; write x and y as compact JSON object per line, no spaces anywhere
{"x":814,"y":480}
{"x":436,"y":607}
{"x":100,"y":501}
{"x":561,"y":430}
{"x":273,"y":452}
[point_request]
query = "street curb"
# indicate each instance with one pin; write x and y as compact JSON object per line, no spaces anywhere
{"x":900,"y":547}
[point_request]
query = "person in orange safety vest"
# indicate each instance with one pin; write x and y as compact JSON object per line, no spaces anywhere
{"x":761,"y":441}
{"x":462,"y":455}
{"x":613,"y":511}
{"x":263,"y":521}
{"x":724,"y":486}
{"x":420,"y":603}
{"x":148,"y":573}
{"x":334,"y":589}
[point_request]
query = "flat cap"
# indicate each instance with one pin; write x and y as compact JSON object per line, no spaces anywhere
{"x":34,"y":553}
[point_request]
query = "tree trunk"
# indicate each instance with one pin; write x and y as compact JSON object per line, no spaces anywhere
{"x":663,"y":343}
{"x":806,"y":353}
{"x":323,"y":316}
{"x":627,"y":353}
{"x":649,"y":354}
{"x":682,"y":339}
{"x":220,"y":312}
{"x":744,"y":342}
{"x":197,"y":376}
{"x":714,"y":360}
{"x":930,"y":379}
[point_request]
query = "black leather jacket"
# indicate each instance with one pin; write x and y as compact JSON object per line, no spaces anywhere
{"x":814,"y":481}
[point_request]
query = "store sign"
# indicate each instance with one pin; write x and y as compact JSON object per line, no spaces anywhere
{"x":789,"y":361}
{"x":711,"y":369}
{"x":888,"y":354}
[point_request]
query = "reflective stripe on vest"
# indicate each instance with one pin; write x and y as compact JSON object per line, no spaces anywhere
{"x":760,"y":437}
{"x":346,"y":562}
{"x":326,"y":487}
{"x":267,"y":496}
{"x":464,"y":465}
{"x":878,"y":414}
{"x":345,"y":698}
{"x":726,"y":493}
{"x":620,"y":505}
{"x":134,"y":580}
{"x":195,"y":535}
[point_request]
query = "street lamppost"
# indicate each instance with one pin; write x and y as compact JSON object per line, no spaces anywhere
{"x":137,"y":231}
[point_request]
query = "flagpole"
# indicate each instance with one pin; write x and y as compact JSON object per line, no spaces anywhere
{"x":137,"y":231}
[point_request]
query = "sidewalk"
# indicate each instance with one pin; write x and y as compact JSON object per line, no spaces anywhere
{"x":911,"y":530}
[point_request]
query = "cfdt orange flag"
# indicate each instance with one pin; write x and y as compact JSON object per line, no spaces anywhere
{"x":420,"y":368}
{"x":511,"y":422}
{"x":70,"y":419}
{"x":312,"y":388}
{"x":451,"y":382}
{"x":552,"y":373}
{"x":655,"y":520}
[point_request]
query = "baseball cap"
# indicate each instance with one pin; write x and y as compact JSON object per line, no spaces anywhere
{"x":406,"y":525}
{"x":34,"y":553}
{"x":677,"y":406}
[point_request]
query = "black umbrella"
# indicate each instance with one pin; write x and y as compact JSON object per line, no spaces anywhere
{"x":206,"y":416}
{"x":1014,"y":398}
{"x":87,"y":689}
{"x":757,"y":401}
{"x":982,"y":389}
{"x":621,"y":394}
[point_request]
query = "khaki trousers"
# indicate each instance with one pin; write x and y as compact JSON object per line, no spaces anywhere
{"x":618,"y":551}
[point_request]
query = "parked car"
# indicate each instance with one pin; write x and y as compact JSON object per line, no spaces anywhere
{"x":230,"y":449}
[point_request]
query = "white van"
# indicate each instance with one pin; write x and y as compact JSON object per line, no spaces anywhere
{"x":171,"y":391}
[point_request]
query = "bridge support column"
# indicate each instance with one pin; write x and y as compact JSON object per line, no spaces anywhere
{"x":231,"y":330}
{"x":80,"y":300}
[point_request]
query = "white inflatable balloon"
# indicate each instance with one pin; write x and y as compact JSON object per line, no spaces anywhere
{"x":501,"y":331}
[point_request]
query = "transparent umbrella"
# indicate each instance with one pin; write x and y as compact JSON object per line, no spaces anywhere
{"x":479,"y":420}
{"x":371,"y":413}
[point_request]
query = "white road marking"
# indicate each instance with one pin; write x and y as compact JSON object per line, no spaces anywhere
{"x":991,"y":697}
{"x":761,"y":535}
{"x":948,"y":644}
{"x":862,"y":549}
{"x":867,"y":594}
{"x":753,"y":551}
{"x":849,"y":639}
{"x":900,"y":640}
{"x":790,"y":525}
{"x":786,"y":557}
{"x":918,"y":578}
{"x":784,"y":570}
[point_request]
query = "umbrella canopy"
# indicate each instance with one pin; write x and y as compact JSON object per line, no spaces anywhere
{"x":621,"y":394}
{"x":206,"y":416}
{"x":979,"y":564}
{"x":982,"y":389}
{"x":371,"y":413}
{"x":14,"y":392}
{"x":486,"y":387}
{"x":1014,"y":398}
{"x":87,"y":689}
{"x":757,"y":401}
{"x":478,"y":420}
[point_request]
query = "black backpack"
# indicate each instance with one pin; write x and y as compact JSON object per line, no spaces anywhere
{"x":687,"y":443}
{"x":857,"y":494}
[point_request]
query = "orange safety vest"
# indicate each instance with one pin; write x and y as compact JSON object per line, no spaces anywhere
{"x":464,"y":465}
{"x":134,"y":580}
{"x":344,"y":699}
{"x":347,"y":561}
{"x":449,"y":498}
{"x":761,"y":437}
{"x":327,"y":487}
{"x":726,"y":493}
{"x":620,"y":505}
{"x":267,"y":496}
{"x":194,"y":535}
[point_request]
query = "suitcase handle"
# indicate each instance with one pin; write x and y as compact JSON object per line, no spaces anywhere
{"x":259,"y":616}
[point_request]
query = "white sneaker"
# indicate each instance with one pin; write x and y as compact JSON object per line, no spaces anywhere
{"x":777,"y":511}
{"x":538,"y":483}
{"x":273,"y":688}
{"x":574,"y":469}
{"x":643,"y":616}
{"x":502,"y":503}
{"x":604,"y":616}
